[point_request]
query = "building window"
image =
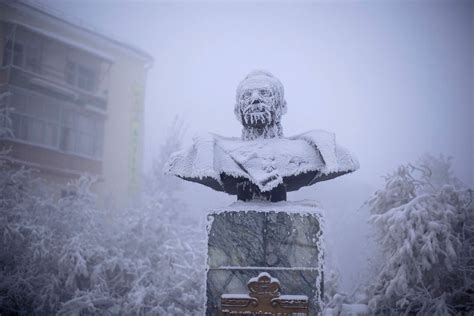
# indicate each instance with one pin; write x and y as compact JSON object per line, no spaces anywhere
{"x":13,"y":54}
{"x":81,"y":134}
{"x":80,"y":75}
{"x":35,"y":119}
{"x":53,"y":60}
{"x":42,"y":120}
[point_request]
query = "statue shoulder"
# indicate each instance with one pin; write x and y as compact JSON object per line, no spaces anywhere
{"x":195,"y":160}
{"x":211,"y":138}
{"x":205,"y":157}
{"x":318,"y":135}
{"x":336,"y":157}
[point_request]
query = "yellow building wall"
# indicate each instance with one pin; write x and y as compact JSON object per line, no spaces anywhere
{"x":123,"y":134}
{"x":123,"y":140}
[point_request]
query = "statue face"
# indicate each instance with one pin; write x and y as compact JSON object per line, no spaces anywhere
{"x":260,"y":100}
{"x":257,"y":105}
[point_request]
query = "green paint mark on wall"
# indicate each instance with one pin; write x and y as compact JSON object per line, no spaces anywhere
{"x":135,"y":128}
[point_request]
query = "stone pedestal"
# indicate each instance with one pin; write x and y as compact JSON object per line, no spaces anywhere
{"x":283,"y":239}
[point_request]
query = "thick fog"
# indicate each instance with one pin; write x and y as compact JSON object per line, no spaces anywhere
{"x":393,"y":80}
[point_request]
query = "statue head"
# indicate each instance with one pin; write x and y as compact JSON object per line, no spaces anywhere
{"x":260,"y":103}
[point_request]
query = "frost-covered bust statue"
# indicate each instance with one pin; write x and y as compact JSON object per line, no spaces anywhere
{"x":262,"y":164}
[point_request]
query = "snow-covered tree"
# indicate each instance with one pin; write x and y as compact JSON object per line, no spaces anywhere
{"x":66,"y":256}
{"x":337,"y":303}
{"x":162,"y":190}
{"x":424,"y":222}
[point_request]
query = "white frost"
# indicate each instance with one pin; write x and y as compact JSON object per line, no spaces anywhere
{"x":264,"y":162}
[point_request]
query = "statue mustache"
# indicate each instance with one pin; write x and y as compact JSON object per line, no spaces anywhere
{"x":257,"y":114}
{"x":256,"y":105}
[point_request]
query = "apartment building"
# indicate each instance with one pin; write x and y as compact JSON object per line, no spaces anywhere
{"x":76,"y":98}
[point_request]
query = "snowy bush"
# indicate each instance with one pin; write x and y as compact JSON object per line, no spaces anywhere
{"x":66,"y":256}
{"x":337,"y":303}
{"x":424,"y":222}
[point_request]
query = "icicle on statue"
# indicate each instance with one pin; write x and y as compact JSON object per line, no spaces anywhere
{"x":262,"y":165}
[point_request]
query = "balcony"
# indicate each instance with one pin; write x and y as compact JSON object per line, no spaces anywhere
{"x":35,"y":61}
{"x":46,"y":84}
{"x":52,"y":134}
{"x":50,"y":161}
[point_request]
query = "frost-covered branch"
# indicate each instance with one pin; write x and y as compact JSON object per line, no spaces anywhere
{"x":421,"y":217}
{"x":66,"y":256}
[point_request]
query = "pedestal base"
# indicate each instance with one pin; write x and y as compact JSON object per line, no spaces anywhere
{"x":283,"y":239}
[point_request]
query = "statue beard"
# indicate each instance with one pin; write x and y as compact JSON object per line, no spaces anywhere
{"x":258,"y":114}
{"x":259,"y":121}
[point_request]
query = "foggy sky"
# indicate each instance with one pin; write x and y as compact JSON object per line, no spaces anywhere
{"x":393,"y":80}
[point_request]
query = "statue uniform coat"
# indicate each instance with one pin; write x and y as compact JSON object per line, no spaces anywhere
{"x":223,"y":163}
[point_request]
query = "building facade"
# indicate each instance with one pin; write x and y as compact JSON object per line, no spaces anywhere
{"x":76,"y":98}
